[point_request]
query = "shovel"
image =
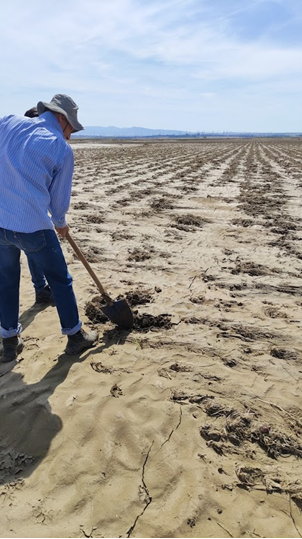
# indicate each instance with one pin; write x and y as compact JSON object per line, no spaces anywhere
{"x":118,"y":311}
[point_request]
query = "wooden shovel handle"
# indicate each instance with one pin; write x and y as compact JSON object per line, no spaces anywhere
{"x":88,"y":267}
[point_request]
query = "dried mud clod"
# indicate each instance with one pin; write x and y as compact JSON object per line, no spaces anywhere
{"x":80,"y":206}
{"x":281,"y":353}
{"x":118,"y":235}
{"x":96,"y":218}
{"x":160,"y":204}
{"x":197,"y":299}
{"x":138,"y":255}
{"x":93,"y":311}
{"x":189,"y":222}
{"x":180,"y":368}
{"x":92,"y":254}
{"x":242,"y":222}
{"x":138,"y":297}
{"x":252,"y":269}
{"x":147,"y":322}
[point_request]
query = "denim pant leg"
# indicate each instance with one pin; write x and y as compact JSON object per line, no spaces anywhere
{"x":9,"y":287}
{"x":37,"y":274}
{"x":51,"y":260}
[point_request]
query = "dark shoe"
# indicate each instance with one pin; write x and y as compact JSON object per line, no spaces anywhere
{"x":11,"y":348}
{"x":44,"y":295}
{"x":81,"y":340}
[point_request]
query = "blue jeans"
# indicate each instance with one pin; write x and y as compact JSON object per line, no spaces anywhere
{"x":37,"y":274}
{"x":44,"y":249}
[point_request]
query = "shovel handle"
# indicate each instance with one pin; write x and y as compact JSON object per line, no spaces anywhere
{"x":88,"y":267}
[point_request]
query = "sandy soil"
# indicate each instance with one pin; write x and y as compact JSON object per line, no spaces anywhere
{"x":190,"y":424}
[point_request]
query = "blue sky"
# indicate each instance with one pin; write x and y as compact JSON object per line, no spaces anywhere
{"x":195,"y":65}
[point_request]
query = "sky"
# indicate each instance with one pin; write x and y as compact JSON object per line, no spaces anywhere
{"x":192,"y":65}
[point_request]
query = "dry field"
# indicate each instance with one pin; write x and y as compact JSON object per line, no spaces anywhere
{"x":190,"y":424}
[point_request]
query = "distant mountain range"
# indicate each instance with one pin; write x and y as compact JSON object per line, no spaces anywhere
{"x":133,"y":132}
{"x":112,"y":131}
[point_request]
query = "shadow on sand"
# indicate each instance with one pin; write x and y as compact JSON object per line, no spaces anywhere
{"x":29,"y":315}
{"x":27,"y":424}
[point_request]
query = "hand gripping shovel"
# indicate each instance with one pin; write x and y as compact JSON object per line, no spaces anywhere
{"x":118,"y":311}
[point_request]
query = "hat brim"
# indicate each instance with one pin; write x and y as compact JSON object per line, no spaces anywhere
{"x":42,"y":106}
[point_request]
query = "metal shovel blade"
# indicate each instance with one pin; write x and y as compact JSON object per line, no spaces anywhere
{"x":119,"y":313}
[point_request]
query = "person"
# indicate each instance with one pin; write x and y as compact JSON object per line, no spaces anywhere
{"x":32,"y":113}
{"x":42,"y":290}
{"x":36,"y":168}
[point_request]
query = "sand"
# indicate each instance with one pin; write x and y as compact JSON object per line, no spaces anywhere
{"x":189,"y":426}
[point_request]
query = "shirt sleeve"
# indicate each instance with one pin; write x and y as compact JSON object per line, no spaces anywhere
{"x":60,"y":190}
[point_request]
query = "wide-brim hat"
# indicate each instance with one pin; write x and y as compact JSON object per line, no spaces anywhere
{"x":64,"y":105}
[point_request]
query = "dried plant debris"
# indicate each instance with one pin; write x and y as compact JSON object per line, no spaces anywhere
{"x":116,"y":391}
{"x":177,"y":395}
{"x":253,"y":269}
{"x":250,"y":478}
{"x":249,"y":475}
{"x":180,"y":368}
{"x":239,"y":428}
{"x":99,"y":367}
{"x":281,"y":353}
{"x":216,"y":409}
{"x":276,"y":443}
{"x":246,"y":333}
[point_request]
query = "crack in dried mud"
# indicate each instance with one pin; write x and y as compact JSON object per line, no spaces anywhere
{"x":147,"y":494}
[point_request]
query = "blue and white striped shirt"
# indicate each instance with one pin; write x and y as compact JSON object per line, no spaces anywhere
{"x":36,"y":167}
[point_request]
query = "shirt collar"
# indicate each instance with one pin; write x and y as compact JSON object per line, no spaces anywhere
{"x":49,"y":117}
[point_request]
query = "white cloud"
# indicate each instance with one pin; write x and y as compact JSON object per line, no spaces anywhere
{"x":134,"y":57}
